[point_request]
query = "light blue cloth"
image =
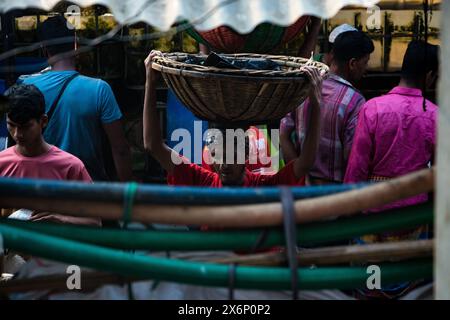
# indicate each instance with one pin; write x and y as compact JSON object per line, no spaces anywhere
{"x":76,"y":124}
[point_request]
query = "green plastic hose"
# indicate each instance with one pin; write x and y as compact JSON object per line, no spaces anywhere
{"x":109,"y":260}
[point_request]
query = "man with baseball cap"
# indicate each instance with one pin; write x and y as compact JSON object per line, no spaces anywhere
{"x":325,"y":57}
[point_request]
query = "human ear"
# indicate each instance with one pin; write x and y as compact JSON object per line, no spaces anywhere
{"x":352,"y":64}
{"x":44,"y":121}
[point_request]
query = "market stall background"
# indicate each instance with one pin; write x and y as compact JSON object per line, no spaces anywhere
{"x":391,"y":25}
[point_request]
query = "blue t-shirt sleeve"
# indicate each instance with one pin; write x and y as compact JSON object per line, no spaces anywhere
{"x":109,"y":109}
{"x":20,"y":80}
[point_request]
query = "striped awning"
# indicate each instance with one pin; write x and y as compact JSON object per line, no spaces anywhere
{"x":241,"y":15}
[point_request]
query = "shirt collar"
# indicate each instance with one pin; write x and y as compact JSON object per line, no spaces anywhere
{"x":339,"y":79}
{"x":406,"y":91}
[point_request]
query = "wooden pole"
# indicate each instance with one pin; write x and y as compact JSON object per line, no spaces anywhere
{"x":340,"y":255}
{"x":58,"y":283}
{"x":256,"y":215}
{"x":442,"y":209}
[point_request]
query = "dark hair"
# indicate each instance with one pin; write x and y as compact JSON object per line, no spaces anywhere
{"x":420,"y":58}
{"x":25,"y":102}
{"x":54,"y":28}
{"x":351,"y":45}
{"x":329,"y":48}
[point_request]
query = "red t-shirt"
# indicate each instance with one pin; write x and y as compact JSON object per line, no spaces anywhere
{"x":189,"y":174}
{"x":55,"y":164}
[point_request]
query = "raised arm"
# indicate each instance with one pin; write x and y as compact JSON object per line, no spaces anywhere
{"x":304,"y":162}
{"x":287,"y":126}
{"x":153,"y":141}
{"x":311,"y":38}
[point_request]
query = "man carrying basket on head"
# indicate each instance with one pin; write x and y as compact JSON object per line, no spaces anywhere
{"x":182,"y":172}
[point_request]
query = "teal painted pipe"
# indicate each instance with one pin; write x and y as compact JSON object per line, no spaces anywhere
{"x":307,"y":234}
{"x":158,"y":194}
{"x":147,"y":267}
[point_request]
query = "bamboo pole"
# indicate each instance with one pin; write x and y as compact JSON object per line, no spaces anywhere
{"x":237,"y":239}
{"x":442,"y":210}
{"x":340,"y":254}
{"x":58,"y":283}
{"x":257,"y":215}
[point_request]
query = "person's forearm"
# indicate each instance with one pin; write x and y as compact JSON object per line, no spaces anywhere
{"x":153,"y":141}
{"x":287,"y":148}
{"x":311,"y":38}
{"x":120,"y":150}
{"x":123,"y":163}
{"x":152,"y":128}
{"x":309,"y":149}
{"x":311,"y":143}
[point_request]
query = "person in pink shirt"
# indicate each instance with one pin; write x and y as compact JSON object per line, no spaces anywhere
{"x":396,"y":135}
{"x":32,"y":157}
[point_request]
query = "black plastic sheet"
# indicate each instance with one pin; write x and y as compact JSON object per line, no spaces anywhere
{"x":215,"y":60}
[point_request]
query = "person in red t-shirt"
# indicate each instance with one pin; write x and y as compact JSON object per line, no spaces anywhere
{"x":182,"y":172}
{"x":32,"y":157}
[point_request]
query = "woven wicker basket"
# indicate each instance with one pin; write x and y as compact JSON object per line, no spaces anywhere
{"x":237,"y":96}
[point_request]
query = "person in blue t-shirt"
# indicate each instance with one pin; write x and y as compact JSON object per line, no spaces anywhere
{"x":85,"y":108}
